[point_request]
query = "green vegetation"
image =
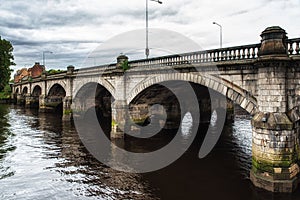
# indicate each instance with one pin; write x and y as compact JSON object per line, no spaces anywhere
{"x":54,"y":71}
{"x":6,"y":92}
{"x":114,"y":123}
{"x":125,"y":65}
{"x":68,"y":112}
{"x":6,"y":60}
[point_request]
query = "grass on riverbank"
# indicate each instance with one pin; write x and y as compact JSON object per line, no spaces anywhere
{"x":5,"y":94}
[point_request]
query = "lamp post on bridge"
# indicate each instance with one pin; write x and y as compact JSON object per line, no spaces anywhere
{"x":147,"y":51}
{"x":44,"y":52}
{"x":220,"y":33}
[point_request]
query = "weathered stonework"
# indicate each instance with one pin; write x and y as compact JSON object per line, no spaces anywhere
{"x":263,"y":79}
{"x":275,"y":138}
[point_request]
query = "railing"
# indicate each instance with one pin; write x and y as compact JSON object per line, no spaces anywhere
{"x":245,"y":52}
{"x":215,"y":55}
{"x":293,"y":46}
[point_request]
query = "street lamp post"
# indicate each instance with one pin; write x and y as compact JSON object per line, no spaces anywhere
{"x":147,"y":51}
{"x":44,"y":52}
{"x":220,"y":33}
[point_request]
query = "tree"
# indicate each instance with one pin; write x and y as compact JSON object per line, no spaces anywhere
{"x":6,"y":60}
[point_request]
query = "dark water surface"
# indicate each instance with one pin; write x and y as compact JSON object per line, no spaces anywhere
{"x":42,"y":157}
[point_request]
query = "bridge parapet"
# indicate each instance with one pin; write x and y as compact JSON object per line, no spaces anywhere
{"x":294,"y":46}
{"x":244,"y":52}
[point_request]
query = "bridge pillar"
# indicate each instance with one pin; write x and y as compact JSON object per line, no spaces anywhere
{"x":20,"y":99}
{"x":49,"y":104}
{"x":119,"y":114}
{"x":31,"y":101}
{"x":67,"y":110}
{"x":275,"y":143}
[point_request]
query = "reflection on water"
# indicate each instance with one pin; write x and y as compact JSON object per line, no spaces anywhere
{"x":49,"y":162}
{"x":42,"y":158}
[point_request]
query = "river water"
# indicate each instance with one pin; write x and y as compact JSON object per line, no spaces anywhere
{"x":42,"y":157}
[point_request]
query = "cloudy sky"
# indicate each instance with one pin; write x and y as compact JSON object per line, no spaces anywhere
{"x":73,"y":29}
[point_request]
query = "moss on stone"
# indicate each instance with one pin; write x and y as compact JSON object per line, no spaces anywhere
{"x":265,"y":166}
{"x":114,"y":123}
{"x":68,"y":112}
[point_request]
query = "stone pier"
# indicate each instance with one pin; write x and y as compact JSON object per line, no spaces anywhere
{"x":275,"y":142}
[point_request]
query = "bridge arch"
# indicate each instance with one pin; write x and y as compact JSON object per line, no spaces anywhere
{"x":39,"y":85}
{"x":37,"y":91}
{"x":57,"y":90}
{"x":79,"y":83}
{"x":54,"y":84}
{"x":233,"y":92}
{"x":90,"y":95}
{"x":25,"y":90}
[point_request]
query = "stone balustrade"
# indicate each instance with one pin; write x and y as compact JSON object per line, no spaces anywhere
{"x":293,"y":46}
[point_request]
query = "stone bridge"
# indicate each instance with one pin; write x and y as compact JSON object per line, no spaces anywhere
{"x":262,"y":78}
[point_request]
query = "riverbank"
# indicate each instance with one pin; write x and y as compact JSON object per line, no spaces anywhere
{"x":5,"y":101}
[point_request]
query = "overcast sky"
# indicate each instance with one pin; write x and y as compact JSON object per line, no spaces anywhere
{"x":73,"y":29}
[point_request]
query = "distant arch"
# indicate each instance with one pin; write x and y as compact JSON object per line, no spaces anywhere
{"x":25,"y":90}
{"x":17,"y":91}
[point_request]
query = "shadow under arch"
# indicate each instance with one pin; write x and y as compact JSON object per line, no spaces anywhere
{"x":55,"y":98}
{"x":94,"y":98}
{"x":36,"y":92}
{"x":25,"y":90}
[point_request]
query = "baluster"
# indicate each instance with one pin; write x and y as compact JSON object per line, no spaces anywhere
{"x":227,"y":55}
{"x":198,"y":60}
{"x":234,"y":54}
{"x":207,"y":56}
{"x":217,"y":56}
{"x":230,"y":54}
{"x":253,"y":52}
{"x":220,"y":56}
{"x":297,"y":48}
{"x":224,"y":55}
{"x":291,"y":50}
{"x":238,"y":55}
{"x":243,"y":53}
{"x":248,"y":53}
